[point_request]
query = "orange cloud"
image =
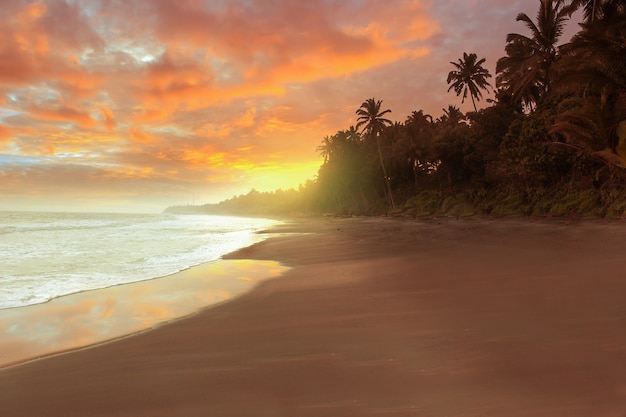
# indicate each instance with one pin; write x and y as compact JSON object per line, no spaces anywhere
{"x":109,"y":118}
{"x":266,"y":47}
{"x":6,"y":134}
{"x":63,"y":114}
{"x":174,"y":83}
{"x":139,"y":136}
{"x":145,"y":114}
{"x":238,"y":123}
{"x":9,"y":134}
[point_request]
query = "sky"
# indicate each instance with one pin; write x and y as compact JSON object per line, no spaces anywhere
{"x":122,"y":105}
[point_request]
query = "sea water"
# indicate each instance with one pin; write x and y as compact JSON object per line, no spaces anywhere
{"x":48,"y":255}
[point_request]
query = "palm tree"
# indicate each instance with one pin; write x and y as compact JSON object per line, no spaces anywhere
{"x":584,"y":129}
{"x":596,"y":53}
{"x":514,"y":78}
{"x":372,"y":120}
{"x":599,"y":9}
{"x":469,"y":77}
{"x":528,"y":68}
{"x":326,"y":148}
{"x":452,"y":116}
{"x":419,"y":119}
{"x":594,"y":69}
{"x":415,"y":145}
{"x":353,"y":134}
{"x":590,"y":8}
{"x":335,"y":146}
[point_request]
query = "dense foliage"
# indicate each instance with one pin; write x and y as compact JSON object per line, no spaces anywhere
{"x":552,"y":142}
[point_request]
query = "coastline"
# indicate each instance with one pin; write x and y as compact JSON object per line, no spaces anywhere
{"x":52,"y":255}
{"x":376,"y":317}
{"x":89,"y":318}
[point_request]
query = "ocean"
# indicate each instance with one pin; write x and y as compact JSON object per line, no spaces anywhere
{"x":48,"y":255}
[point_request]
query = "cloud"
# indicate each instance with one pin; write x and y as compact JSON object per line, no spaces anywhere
{"x":63,"y":114}
{"x":109,"y":118}
{"x":301,"y":41}
{"x":138,"y":136}
{"x":213,"y":98}
{"x":41,"y":41}
{"x":7,"y":133}
{"x":174,"y":83}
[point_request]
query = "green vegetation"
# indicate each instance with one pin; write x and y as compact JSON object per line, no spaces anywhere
{"x":551,"y":143}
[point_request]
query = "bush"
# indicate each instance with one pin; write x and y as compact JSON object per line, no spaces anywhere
{"x":582,"y":203}
{"x":426,"y":203}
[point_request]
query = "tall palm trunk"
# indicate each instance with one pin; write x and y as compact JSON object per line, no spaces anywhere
{"x":382,"y":165}
{"x":371,"y":117}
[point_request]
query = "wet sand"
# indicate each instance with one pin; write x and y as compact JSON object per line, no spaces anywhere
{"x":377,"y":317}
{"x":90,"y":317}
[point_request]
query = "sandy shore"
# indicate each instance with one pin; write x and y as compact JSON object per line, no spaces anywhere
{"x":377,"y":317}
{"x":91,"y":317}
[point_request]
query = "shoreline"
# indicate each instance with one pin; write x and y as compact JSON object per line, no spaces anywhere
{"x":130,"y":282}
{"x":49,"y":314}
{"x":55,"y":268}
{"x":14,"y":317}
{"x":284,"y":227}
{"x":375,"y":317}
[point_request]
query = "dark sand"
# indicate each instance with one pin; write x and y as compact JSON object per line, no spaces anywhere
{"x":377,"y":317}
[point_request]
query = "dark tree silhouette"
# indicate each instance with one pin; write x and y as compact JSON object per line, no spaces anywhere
{"x":452,"y":116}
{"x":599,"y":9}
{"x":372,"y":120}
{"x":529,"y":65}
{"x":594,"y":70}
{"x":469,"y":77}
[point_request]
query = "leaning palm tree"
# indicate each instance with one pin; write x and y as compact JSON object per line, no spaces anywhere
{"x":469,"y":77}
{"x":372,"y":120}
{"x":530,"y":62}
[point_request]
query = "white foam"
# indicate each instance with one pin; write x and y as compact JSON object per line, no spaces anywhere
{"x":47,"y":255}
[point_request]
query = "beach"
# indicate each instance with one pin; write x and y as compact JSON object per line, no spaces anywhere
{"x":375,"y":317}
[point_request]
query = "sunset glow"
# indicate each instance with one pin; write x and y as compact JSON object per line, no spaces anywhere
{"x":137,"y":105}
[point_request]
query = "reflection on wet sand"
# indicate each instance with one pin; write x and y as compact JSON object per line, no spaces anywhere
{"x":95,"y":316}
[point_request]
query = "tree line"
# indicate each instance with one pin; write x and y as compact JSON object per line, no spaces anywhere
{"x":551,"y":142}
